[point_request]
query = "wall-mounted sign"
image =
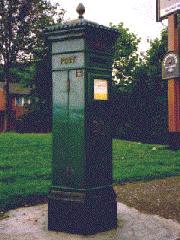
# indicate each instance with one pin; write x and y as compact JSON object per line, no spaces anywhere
{"x":100,"y":89}
{"x":166,"y":7}
{"x":171,"y":66}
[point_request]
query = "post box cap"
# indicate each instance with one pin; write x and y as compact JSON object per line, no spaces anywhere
{"x":80,"y":10}
{"x":79,"y":23}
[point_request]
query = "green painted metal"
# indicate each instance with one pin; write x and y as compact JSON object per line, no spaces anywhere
{"x":82,"y":199}
{"x":81,"y":52}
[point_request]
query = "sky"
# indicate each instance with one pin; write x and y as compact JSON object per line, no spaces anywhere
{"x":137,"y":15}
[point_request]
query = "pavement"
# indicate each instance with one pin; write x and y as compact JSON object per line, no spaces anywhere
{"x":30,"y":223}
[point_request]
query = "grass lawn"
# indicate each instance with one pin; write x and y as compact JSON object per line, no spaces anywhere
{"x":25,"y":165}
{"x":137,"y":161}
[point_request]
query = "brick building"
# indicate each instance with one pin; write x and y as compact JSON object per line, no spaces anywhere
{"x":19,"y":100}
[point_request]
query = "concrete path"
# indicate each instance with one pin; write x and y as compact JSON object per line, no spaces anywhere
{"x":30,"y":223}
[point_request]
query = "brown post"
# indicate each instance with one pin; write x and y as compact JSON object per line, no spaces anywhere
{"x":174,"y":86}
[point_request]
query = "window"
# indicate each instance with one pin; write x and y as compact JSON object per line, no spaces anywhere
{"x":19,"y":101}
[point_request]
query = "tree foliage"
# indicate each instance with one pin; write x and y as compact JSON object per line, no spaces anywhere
{"x":142,"y":112}
{"x":151,"y":91}
{"x":148,"y":74}
{"x":126,"y":56}
{"x":21,"y":26}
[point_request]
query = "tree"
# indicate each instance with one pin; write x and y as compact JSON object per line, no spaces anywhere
{"x":149,"y":93}
{"x":21,"y":26}
{"x":126,"y":57}
{"x":140,"y":107}
{"x":148,"y":74}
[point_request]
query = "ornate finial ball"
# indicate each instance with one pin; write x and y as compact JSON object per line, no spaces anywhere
{"x":80,"y":10}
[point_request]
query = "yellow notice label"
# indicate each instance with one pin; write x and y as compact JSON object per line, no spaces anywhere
{"x":100,"y":89}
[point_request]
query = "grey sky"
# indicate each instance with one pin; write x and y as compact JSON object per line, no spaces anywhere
{"x":137,"y":15}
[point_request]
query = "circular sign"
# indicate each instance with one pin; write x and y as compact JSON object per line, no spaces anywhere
{"x":170,"y":62}
{"x":171,"y":66}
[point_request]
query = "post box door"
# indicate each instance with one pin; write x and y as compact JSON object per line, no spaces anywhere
{"x":76,"y":126}
{"x":60,"y":126}
{"x":68,"y":137}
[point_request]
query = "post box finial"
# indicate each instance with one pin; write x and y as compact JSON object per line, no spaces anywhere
{"x":80,"y":10}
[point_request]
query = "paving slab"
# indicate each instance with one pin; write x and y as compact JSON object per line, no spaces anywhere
{"x":30,"y":223}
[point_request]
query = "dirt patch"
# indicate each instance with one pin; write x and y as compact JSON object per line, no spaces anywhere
{"x":161,"y":197}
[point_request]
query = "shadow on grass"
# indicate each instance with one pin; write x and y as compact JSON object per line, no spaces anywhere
{"x":20,"y":201}
{"x":2,"y":168}
{"x":8,"y":179}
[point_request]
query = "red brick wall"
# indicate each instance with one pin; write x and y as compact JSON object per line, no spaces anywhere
{"x":2,"y":100}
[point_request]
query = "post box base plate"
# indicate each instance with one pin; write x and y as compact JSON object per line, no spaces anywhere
{"x":82,"y":212}
{"x":174,"y":140}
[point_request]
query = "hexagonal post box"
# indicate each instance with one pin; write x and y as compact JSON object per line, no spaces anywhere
{"x":81,"y":199}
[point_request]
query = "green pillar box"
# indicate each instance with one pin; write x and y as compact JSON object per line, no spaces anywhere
{"x":81,"y":199}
